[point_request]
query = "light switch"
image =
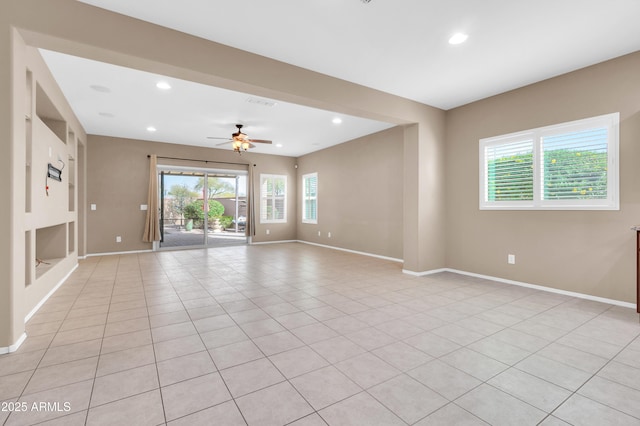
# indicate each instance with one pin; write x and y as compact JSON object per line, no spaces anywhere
{"x":143,"y":207}
{"x":93,"y":207}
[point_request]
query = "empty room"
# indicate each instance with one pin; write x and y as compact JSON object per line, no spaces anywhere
{"x":361,"y":212}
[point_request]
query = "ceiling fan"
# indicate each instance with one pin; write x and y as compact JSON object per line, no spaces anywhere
{"x":240,"y":141}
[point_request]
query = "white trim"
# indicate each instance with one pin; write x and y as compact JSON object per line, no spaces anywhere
{"x":260,"y":243}
{"x":393,"y":259}
{"x":424,"y":273}
{"x":15,"y":346}
{"x":547,"y":289}
{"x":45,"y":298}
{"x":120,"y":252}
{"x":82,"y":257}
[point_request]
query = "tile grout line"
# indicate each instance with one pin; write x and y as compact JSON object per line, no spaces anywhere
{"x":93,"y":385}
{"x":153,"y":346}
{"x":240,"y":286}
{"x":49,"y":346}
{"x":611,"y":359}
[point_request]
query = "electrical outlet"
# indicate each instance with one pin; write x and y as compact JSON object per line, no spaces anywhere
{"x":511,"y":259}
{"x":118,"y":239}
{"x":94,"y":207}
{"x":268,"y":232}
{"x":329,"y":235}
{"x":319,"y":233}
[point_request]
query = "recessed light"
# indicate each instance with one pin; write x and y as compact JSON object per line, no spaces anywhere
{"x":163,"y":85}
{"x":458,"y":38}
{"x":102,"y":89}
{"x":106,"y":114}
{"x":151,"y":129}
{"x":278,"y":145}
{"x":337,"y":120}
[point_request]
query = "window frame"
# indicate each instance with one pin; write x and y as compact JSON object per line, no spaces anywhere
{"x":263,"y":198}
{"x":306,"y":198}
{"x":609,"y":121}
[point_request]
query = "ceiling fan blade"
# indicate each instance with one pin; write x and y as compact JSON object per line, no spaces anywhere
{"x":223,"y":143}
{"x":260,"y":141}
{"x":213,"y":137}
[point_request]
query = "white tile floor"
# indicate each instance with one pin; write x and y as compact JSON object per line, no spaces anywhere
{"x":297,"y":334}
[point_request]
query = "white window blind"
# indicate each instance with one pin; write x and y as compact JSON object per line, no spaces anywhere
{"x":574,"y":165}
{"x":310,"y":198}
{"x":273,"y":198}
{"x":509,"y":171}
{"x":569,"y":166}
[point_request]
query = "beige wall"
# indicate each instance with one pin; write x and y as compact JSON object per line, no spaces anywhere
{"x":589,"y":252}
{"x":39,"y":225}
{"x":118,"y":180}
{"x":365,"y":214}
{"x":360,"y":194}
{"x":143,"y":46}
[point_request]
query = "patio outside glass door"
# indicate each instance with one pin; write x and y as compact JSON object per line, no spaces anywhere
{"x":202,"y":208}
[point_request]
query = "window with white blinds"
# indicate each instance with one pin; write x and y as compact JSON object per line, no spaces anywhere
{"x":273,"y":198}
{"x":310,"y":198}
{"x":569,"y":166}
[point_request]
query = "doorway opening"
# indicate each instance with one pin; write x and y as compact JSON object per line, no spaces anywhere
{"x":202,"y":207}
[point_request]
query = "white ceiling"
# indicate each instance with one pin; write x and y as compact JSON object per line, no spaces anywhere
{"x":127,"y":102}
{"x":397,"y":46}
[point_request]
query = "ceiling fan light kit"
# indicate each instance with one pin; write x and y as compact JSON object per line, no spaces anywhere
{"x":240,"y":141}
{"x":239,"y":146}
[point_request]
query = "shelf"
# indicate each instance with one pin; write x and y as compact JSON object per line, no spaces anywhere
{"x":46,"y":266}
{"x":49,"y":114}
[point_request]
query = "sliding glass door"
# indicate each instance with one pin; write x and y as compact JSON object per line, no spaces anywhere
{"x":202,"y":208}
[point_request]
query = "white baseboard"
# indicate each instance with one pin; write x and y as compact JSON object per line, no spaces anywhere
{"x":118,"y":252}
{"x":272,"y":242}
{"x":53,"y":290}
{"x":537,"y":287}
{"x":362,"y":253}
{"x":392,"y":259}
{"x":424,"y":273}
{"x":15,"y":346}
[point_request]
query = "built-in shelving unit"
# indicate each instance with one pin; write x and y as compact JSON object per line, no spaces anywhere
{"x":50,"y":204}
